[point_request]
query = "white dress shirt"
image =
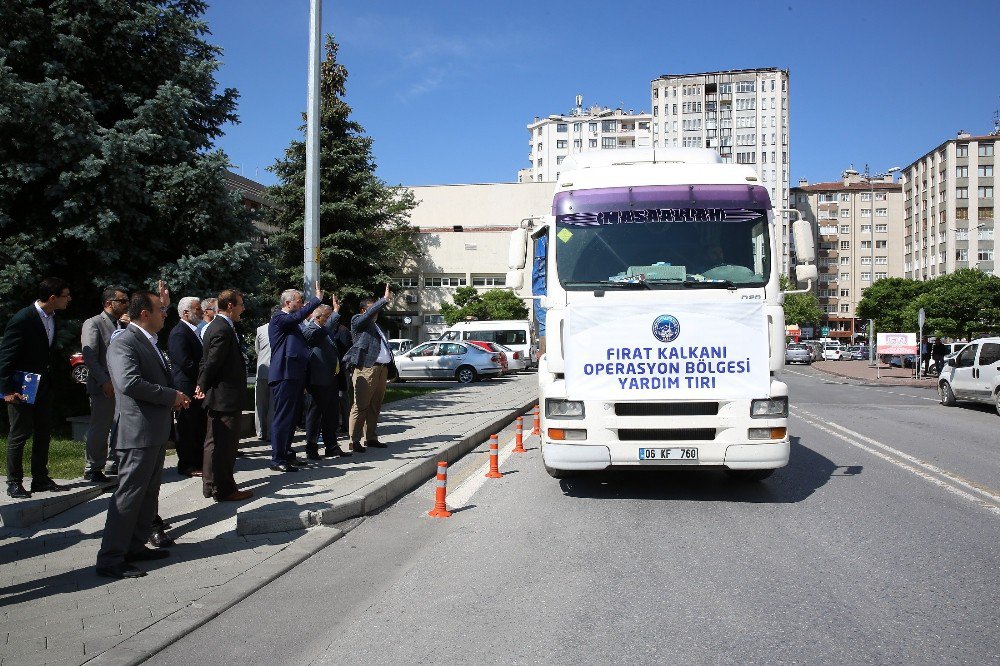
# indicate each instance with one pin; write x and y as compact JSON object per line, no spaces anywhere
{"x":48,"y":322}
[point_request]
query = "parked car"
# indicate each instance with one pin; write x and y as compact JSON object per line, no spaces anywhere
{"x":495,"y":348}
{"x":833,"y":351}
{"x":78,"y":368}
{"x":898,"y":361}
{"x":400,"y":345}
{"x":516,"y":334}
{"x":515,"y":359}
{"x":858,"y":352}
{"x":798,"y":353}
{"x":448,"y":360}
{"x":973,"y":375}
{"x":815,"y":349}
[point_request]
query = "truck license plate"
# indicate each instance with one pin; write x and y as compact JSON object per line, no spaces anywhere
{"x":675,"y":453}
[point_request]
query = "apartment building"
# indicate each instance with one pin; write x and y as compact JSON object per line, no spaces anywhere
{"x":858,"y":226}
{"x":741,"y":113}
{"x":552,"y":139}
{"x":949,"y":197}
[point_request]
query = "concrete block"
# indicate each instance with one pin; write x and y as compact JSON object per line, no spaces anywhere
{"x":41,"y":506}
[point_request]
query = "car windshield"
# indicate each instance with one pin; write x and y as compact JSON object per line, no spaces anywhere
{"x":394,"y":345}
{"x":664,"y":237}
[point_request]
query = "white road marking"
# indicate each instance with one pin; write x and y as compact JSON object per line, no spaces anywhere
{"x":465,"y":490}
{"x":868,"y":386}
{"x":922,"y":469}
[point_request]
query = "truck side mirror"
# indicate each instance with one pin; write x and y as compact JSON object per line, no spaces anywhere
{"x":517,"y":255}
{"x":806,"y":272}
{"x":514,"y":279}
{"x":805,"y":248}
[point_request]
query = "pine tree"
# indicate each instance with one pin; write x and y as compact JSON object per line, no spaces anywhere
{"x":365,"y":237}
{"x":108,"y":112}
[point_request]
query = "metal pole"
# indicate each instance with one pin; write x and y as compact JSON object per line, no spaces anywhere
{"x":311,"y":226}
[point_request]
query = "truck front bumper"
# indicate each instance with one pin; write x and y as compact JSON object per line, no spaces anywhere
{"x":766,"y":455}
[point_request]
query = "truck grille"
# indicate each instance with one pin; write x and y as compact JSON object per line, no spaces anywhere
{"x":665,"y":435}
{"x":666,"y":408}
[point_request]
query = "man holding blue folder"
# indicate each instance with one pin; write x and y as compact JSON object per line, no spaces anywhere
{"x":28,"y":354}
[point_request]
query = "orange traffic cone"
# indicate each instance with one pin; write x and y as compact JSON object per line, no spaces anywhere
{"x":440,"y":509}
{"x":494,"y":472}
{"x":537,"y":430}
{"x":519,"y":436}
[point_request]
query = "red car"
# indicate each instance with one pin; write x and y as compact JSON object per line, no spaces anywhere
{"x":491,"y":347}
{"x":78,"y":368}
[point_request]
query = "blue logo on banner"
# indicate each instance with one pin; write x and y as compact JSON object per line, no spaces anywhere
{"x":666,"y":328}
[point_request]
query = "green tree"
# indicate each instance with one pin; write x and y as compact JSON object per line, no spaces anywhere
{"x":889,"y":302}
{"x":491,"y":305}
{"x":800,"y":308}
{"x":365,"y":234}
{"x":108,"y":112}
{"x":959,"y":304}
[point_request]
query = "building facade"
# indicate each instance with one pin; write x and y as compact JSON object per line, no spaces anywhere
{"x":858,"y":226}
{"x":552,"y":139}
{"x":742,"y":114}
{"x":949,"y":196}
{"x":464,"y":233}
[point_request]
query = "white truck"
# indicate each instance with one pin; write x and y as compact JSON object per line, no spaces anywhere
{"x":664,"y":324}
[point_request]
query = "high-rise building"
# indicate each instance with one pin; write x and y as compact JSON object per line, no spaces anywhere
{"x":949,"y":208}
{"x":741,"y":113}
{"x":858,"y":226}
{"x":552,"y":139}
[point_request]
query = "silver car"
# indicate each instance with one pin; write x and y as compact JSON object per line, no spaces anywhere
{"x":448,"y":360}
{"x":797,"y":353}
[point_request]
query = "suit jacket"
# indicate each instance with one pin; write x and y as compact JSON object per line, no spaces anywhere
{"x":262,"y":345}
{"x":367,"y":339}
{"x":94,"y":339}
{"x":25,"y":348}
{"x":223,"y":375}
{"x":323,"y":359}
{"x":185,"y":357}
{"x":144,"y":395}
{"x":289,"y":349}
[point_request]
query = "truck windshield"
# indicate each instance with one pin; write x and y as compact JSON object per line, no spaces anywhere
{"x":663,"y":238}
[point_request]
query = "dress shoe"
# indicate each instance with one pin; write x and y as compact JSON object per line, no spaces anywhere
{"x":17,"y":491}
{"x":112,"y":469}
{"x":146,"y":554}
{"x":312,"y":452}
{"x":282,"y":467}
{"x":356,"y":447}
{"x":95,"y":476}
{"x":120,"y":571}
{"x":334,"y":451}
{"x":46,"y":485}
{"x":375,"y":444}
{"x":235,"y":496}
{"x":189,"y":472}
{"x":160,"y":539}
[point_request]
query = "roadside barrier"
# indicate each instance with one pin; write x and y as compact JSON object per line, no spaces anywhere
{"x":519,"y":436}
{"x":440,"y":509}
{"x":494,"y":472}
{"x":537,"y":430}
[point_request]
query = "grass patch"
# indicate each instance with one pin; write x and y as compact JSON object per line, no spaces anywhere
{"x":395,"y":392}
{"x":66,"y":458}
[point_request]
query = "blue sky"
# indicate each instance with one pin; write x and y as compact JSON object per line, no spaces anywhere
{"x":445,"y":89}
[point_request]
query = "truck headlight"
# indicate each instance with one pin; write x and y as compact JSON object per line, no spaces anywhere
{"x":769,"y":407}
{"x":563,"y":409}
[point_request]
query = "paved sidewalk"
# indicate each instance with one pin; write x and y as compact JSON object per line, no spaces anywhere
{"x":888,"y":376}
{"x":55,"y":609}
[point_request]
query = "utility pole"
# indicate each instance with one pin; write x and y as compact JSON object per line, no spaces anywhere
{"x":311,"y":226}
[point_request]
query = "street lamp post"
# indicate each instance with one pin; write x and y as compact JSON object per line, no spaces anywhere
{"x":310,"y":239}
{"x":871,"y":224}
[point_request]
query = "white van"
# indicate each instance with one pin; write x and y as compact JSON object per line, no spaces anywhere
{"x":516,"y":334}
{"x":974,"y":374}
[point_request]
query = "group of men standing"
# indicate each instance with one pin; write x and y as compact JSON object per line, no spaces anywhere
{"x":134,"y":391}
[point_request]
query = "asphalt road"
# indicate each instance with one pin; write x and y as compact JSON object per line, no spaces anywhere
{"x":879,"y":543}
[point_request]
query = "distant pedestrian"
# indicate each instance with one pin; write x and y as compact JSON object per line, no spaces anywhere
{"x":925,"y":355}
{"x":263,"y":404}
{"x":287,"y":374}
{"x":185,"y":346}
{"x":145,"y":397}
{"x":29,"y":346}
{"x":222,"y":380}
{"x":369,"y":357}
{"x":938,"y":352}
{"x":344,"y":342}
{"x":209,"y":307}
{"x":324,"y":363}
{"x":95,"y":336}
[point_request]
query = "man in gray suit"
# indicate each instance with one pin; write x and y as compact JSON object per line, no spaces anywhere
{"x":94,"y":339}
{"x":145,"y":399}
{"x":263,"y":409}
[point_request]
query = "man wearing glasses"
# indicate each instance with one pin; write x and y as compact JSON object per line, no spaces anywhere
{"x":209,"y":307}
{"x":94,"y":339}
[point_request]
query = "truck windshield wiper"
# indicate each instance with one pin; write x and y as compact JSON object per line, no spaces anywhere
{"x":711,"y":284}
{"x":604,"y":284}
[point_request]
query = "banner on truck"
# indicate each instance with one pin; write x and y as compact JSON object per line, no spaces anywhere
{"x":667,"y":351}
{"x":896,"y":343}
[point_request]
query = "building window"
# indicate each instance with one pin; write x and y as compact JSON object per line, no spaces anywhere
{"x":866,"y":196}
{"x":961,"y":255}
{"x":745,"y":158}
{"x":609,"y":142}
{"x":880,"y":196}
{"x":561,"y":143}
{"x":961,"y":193}
{"x":487,"y":280}
{"x":433,"y":319}
{"x":881,"y":261}
{"x":961,"y":233}
{"x":866,"y":277}
{"x":881,"y":245}
{"x":845,"y":245}
{"x":881,"y":228}
{"x":881,"y":275}
{"x":592,"y":127}
{"x":881,"y":212}
{"x":560,"y":158}
{"x":962,"y":150}
{"x":866,"y":212}
{"x":985,"y":171}
{"x":406,"y":282}
{"x":577,"y":127}
{"x":609,"y":125}
{"x":845,"y":307}
{"x":986,"y":150}
{"x":593,"y":143}
{"x":845,"y":261}
{"x":985,"y":213}
{"x":444,"y":281}
{"x":985,"y":255}
{"x":746,"y":86}
{"x":866,"y":228}
{"x":985,"y":192}
{"x":962,"y":171}
{"x":866,"y":261}
{"x":961,"y":213}
{"x":578,"y":143}
{"x":845,"y":228}
{"x":845,"y":293}
{"x":845,"y":276}
{"x":985,"y":234}
{"x":562,"y":127}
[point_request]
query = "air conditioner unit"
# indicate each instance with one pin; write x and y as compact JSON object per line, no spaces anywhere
{"x":411,"y":298}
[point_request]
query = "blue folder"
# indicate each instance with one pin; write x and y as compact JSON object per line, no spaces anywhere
{"x":29,"y":385}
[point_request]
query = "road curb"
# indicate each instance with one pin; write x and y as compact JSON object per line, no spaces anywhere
{"x":884,"y":381}
{"x":377,"y":494}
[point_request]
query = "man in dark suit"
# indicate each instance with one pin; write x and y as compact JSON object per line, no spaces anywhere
{"x":144,"y":397}
{"x":370,"y":357}
{"x":324,"y":363}
{"x":222,"y":380}
{"x":95,"y":335}
{"x":29,"y":345}
{"x":185,"y":346}
{"x":287,"y":375}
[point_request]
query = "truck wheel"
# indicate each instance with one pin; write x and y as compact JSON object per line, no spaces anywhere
{"x":947,"y":395}
{"x":749,"y":475}
{"x":558,"y":473}
{"x":466,"y":374}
